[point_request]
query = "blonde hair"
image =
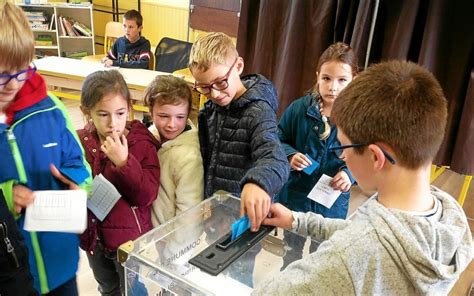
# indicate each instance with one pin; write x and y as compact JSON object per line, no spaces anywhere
{"x":16,"y":38}
{"x":214,"y":47}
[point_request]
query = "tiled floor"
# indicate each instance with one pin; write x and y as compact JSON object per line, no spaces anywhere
{"x":448,"y":181}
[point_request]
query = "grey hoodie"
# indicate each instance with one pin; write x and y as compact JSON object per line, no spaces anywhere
{"x":380,"y":251}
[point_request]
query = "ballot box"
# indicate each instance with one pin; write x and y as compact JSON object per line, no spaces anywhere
{"x":193,"y":254}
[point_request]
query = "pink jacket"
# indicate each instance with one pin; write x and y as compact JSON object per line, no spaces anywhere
{"x":137,"y":182}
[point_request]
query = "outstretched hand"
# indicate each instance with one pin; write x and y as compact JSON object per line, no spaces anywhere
{"x":280,"y":217}
{"x":255,"y":202}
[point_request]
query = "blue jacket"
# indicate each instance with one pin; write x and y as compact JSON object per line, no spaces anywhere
{"x":43,"y":134}
{"x":239,"y":142}
{"x":298,"y":131}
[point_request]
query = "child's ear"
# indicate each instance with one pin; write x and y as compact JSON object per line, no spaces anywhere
{"x":377,"y":156}
{"x":85,"y":111}
{"x":240,"y":65}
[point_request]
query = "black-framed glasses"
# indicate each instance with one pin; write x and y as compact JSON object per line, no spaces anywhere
{"x":340,"y":149}
{"x":19,"y":76}
{"x":222,"y":84}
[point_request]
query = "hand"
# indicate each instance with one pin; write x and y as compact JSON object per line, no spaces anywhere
{"x":22,"y":197}
{"x":57,"y":174}
{"x":299,"y":161}
{"x":341,"y":182}
{"x":116,"y":149}
{"x":256,"y":203}
{"x":280,"y":217}
{"x":108,"y":62}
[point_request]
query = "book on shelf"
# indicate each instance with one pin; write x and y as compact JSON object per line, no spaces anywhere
{"x":76,"y":54}
{"x":74,"y":28}
{"x":44,"y":40}
{"x":52,"y":22}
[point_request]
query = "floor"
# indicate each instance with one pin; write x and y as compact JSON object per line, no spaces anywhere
{"x":448,"y":181}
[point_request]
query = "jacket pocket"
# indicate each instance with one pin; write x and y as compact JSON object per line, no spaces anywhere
{"x":135,"y":216}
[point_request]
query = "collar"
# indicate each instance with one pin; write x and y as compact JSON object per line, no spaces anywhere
{"x":33,"y":91}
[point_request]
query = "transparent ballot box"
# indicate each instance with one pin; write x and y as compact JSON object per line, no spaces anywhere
{"x":192,"y":254}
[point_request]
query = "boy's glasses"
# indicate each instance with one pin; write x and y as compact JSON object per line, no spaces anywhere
{"x":206,"y":89}
{"x":20,"y":76}
{"x":340,"y":149}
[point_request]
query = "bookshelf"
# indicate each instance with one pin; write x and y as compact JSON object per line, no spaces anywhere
{"x":62,"y":29}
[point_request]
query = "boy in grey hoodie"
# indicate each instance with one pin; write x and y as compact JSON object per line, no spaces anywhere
{"x":411,"y":238}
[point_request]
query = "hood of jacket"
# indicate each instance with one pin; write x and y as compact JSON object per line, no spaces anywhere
{"x":186,"y":138}
{"x":432,"y":252}
{"x":258,"y":88}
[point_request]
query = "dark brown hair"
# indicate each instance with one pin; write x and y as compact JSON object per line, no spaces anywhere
{"x":338,"y":52}
{"x":398,"y":103}
{"x":168,"y":90}
{"x":102,"y":83}
{"x":134,"y":15}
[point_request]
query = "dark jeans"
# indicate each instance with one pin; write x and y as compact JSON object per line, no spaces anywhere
{"x":297,"y":242}
{"x":108,"y":272}
{"x":69,"y":288}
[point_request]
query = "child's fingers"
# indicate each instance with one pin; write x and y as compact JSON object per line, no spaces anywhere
{"x":124,"y":140}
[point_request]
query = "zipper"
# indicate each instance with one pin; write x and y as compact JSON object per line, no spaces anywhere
{"x":10,"y":248}
{"x":136,"y":219}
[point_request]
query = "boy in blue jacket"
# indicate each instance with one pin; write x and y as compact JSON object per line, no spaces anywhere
{"x":131,"y":50}
{"x":38,"y":148}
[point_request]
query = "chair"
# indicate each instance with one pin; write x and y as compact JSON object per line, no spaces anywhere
{"x":113,"y":30}
{"x":171,"y":55}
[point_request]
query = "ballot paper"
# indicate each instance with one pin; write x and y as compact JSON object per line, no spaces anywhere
{"x":240,"y":226}
{"x":57,"y":210}
{"x":323,"y":193}
{"x":103,"y":197}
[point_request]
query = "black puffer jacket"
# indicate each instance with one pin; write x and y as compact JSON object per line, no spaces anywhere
{"x":239,"y":142}
{"x":15,"y":277}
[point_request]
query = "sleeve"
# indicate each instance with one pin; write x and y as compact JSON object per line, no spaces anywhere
{"x":142,"y":62}
{"x":73,"y":162}
{"x":138,"y":180}
{"x":271,"y":168}
{"x":316,"y":226}
{"x":189,"y":179}
{"x":285,"y":131}
{"x":113,"y":52}
{"x":323,"y":273}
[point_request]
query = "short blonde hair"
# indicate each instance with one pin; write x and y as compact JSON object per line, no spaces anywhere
{"x":16,"y":38}
{"x":214,"y":47}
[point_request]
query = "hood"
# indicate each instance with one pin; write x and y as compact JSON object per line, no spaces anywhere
{"x":258,"y":88}
{"x":431,"y":252}
{"x":154,"y":131}
{"x":33,"y":91}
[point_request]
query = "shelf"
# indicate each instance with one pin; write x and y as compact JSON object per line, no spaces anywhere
{"x":76,"y":37}
{"x":46,"y":47}
{"x":43,"y":31}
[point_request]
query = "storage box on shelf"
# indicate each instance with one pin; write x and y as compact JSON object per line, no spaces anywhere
{"x":62,"y":29}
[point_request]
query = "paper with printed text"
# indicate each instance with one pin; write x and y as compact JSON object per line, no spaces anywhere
{"x":323,"y":193}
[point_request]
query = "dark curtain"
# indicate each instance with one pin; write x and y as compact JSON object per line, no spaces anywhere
{"x":283,"y":40}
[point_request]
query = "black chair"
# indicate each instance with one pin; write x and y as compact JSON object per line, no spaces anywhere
{"x":172,"y":55}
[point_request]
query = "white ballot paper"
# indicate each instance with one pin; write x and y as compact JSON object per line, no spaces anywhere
{"x":323,"y":193}
{"x":103,"y":197}
{"x":57,"y":210}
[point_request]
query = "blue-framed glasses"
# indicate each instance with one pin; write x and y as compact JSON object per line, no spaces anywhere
{"x":19,"y":76}
{"x":340,"y":149}
{"x":222,"y":84}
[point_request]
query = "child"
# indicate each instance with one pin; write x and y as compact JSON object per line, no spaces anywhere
{"x":237,"y":127}
{"x":131,"y":50}
{"x":306,"y":129}
{"x":411,"y":238}
{"x":37,"y":142}
{"x":181,"y":182}
{"x":125,"y":154}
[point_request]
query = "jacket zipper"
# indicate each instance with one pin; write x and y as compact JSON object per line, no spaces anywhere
{"x":10,"y":248}
{"x":136,"y":219}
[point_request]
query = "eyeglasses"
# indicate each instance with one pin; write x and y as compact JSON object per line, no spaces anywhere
{"x":20,"y":76}
{"x":222,"y":84}
{"x":340,"y":149}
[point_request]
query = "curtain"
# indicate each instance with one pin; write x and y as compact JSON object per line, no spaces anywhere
{"x":284,"y":39}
